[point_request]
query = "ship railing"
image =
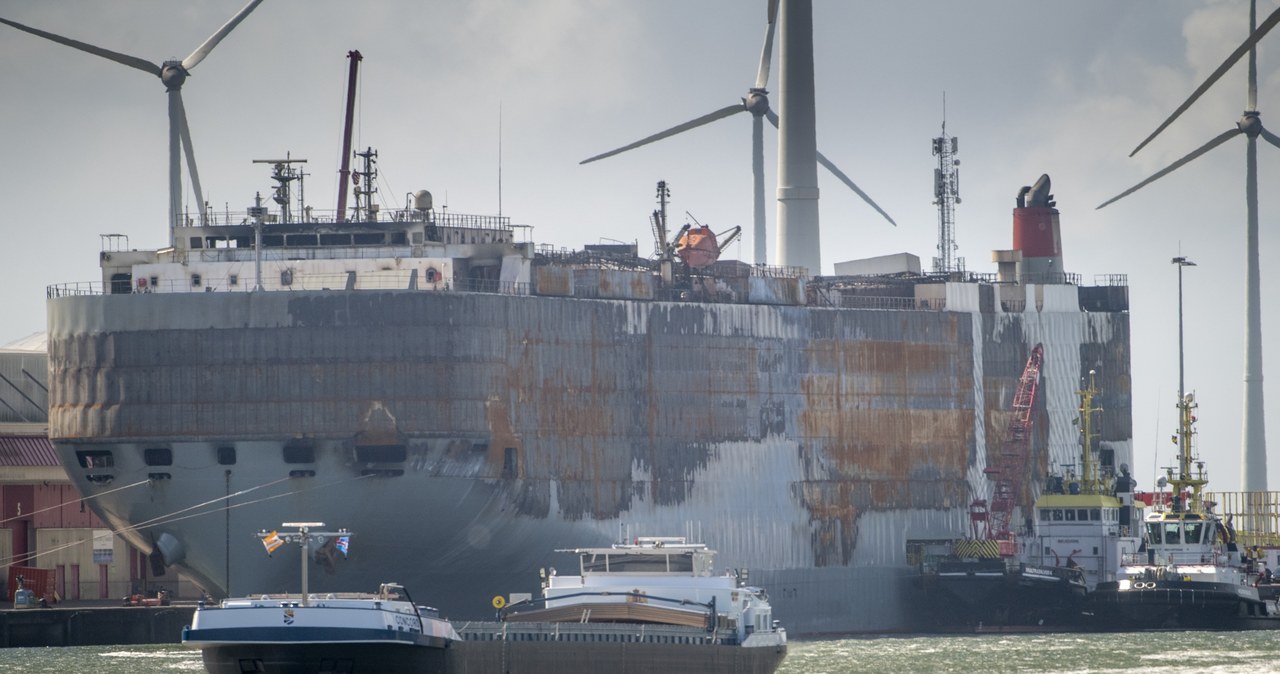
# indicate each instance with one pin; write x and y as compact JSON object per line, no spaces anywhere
{"x":74,"y":289}
{"x":441,"y":218}
{"x":298,"y":282}
{"x":1255,"y":515}
{"x":590,"y":632}
{"x":891,"y":303}
{"x":1050,"y":278}
{"x":1161,"y":558}
{"x":1110,"y":279}
{"x":272,"y":254}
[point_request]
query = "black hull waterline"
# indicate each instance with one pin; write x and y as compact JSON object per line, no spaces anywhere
{"x":1180,"y":605}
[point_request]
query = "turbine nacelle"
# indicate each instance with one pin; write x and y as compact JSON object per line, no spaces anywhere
{"x":756,"y":102}
{"x":173,"y":75}
{"x":1250,"y":123}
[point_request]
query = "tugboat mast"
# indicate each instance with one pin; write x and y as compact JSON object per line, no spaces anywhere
{"x":1090,"y":482}
{"x":1186,"y":404}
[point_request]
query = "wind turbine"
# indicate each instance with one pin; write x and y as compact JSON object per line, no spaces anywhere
{"x":757,"y":103}
{"x":173,"y":74}
{"x":1254,"y":456}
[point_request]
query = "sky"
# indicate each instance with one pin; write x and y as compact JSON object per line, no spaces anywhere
{"x":492,"y":104}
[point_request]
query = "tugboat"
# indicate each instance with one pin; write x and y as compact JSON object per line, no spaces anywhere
{"x":1085,"y":523}
{"x":1192,"y":574}
{"x":653,"y":604}
{"x":1077,"y":537}
{"x":330,"y":632}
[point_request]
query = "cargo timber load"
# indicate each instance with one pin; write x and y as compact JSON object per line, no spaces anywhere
{"x":418,"y":370}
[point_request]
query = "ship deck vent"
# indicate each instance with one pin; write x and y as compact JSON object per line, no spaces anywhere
{"x":297,"y":452}
{"x":158,"y":456}
{"x":95,"y":458}
{"x":159,"y":476}
{"x":380,"y":454}
{"x":302,"y":473}
{"x":100,"y":478}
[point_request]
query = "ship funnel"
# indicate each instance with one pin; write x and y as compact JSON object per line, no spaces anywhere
{"x":422,"y":201}
{"x":1037,"y":235}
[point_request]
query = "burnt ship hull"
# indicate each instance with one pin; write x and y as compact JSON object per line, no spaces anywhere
{"x":461,"y":432}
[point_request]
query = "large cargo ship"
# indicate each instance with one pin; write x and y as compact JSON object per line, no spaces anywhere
{"x":469,"y":400}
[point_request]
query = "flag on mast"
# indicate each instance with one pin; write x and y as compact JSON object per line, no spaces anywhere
{"x":271,"y":541}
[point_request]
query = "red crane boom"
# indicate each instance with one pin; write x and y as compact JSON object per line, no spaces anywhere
{"x":1009,"y":469}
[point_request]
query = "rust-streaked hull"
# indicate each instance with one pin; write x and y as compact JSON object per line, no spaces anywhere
{"x":806,"y":444}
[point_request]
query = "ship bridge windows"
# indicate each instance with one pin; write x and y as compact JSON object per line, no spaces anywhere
{"x":1074,"y":515}
{"x":158,"y":456}
{"x":638,"y":563}
{"x":121,"y":284}
{"x":1193,"y":531}
{"x":302,"y":240}
{"x":1169,"y":533}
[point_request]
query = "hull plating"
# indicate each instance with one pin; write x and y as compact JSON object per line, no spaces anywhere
{"x":805,"y":444}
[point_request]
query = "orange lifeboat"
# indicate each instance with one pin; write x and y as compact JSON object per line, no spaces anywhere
{"x":698,"y":247}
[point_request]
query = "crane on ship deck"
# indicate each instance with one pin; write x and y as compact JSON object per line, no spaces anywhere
{"x":1008,"y":470}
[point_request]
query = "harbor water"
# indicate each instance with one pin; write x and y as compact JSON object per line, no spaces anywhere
{"x":1151,"y":653}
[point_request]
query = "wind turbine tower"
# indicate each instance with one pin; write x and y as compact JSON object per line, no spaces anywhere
{"x":946,"y":194}
{"x":1253,"y":463}
{"x":798,"y":236}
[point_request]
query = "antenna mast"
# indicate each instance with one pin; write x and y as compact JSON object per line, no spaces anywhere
{"x":946,"y":194}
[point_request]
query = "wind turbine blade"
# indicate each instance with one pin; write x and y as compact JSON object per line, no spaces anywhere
{"x":766,"y":54}
{"x":1271,"y":137}
{"x":185,"y":132}
{"x":131,"y":61}
{"x":826,"y":163}
{"x":1218,"y":140}
{"x":705,"y":119}
{"x":203,"y":50}
{"x":1243,"y":49}
{"x":1253,"y":57}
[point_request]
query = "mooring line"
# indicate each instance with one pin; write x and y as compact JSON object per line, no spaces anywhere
{"x":82,"y":500}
